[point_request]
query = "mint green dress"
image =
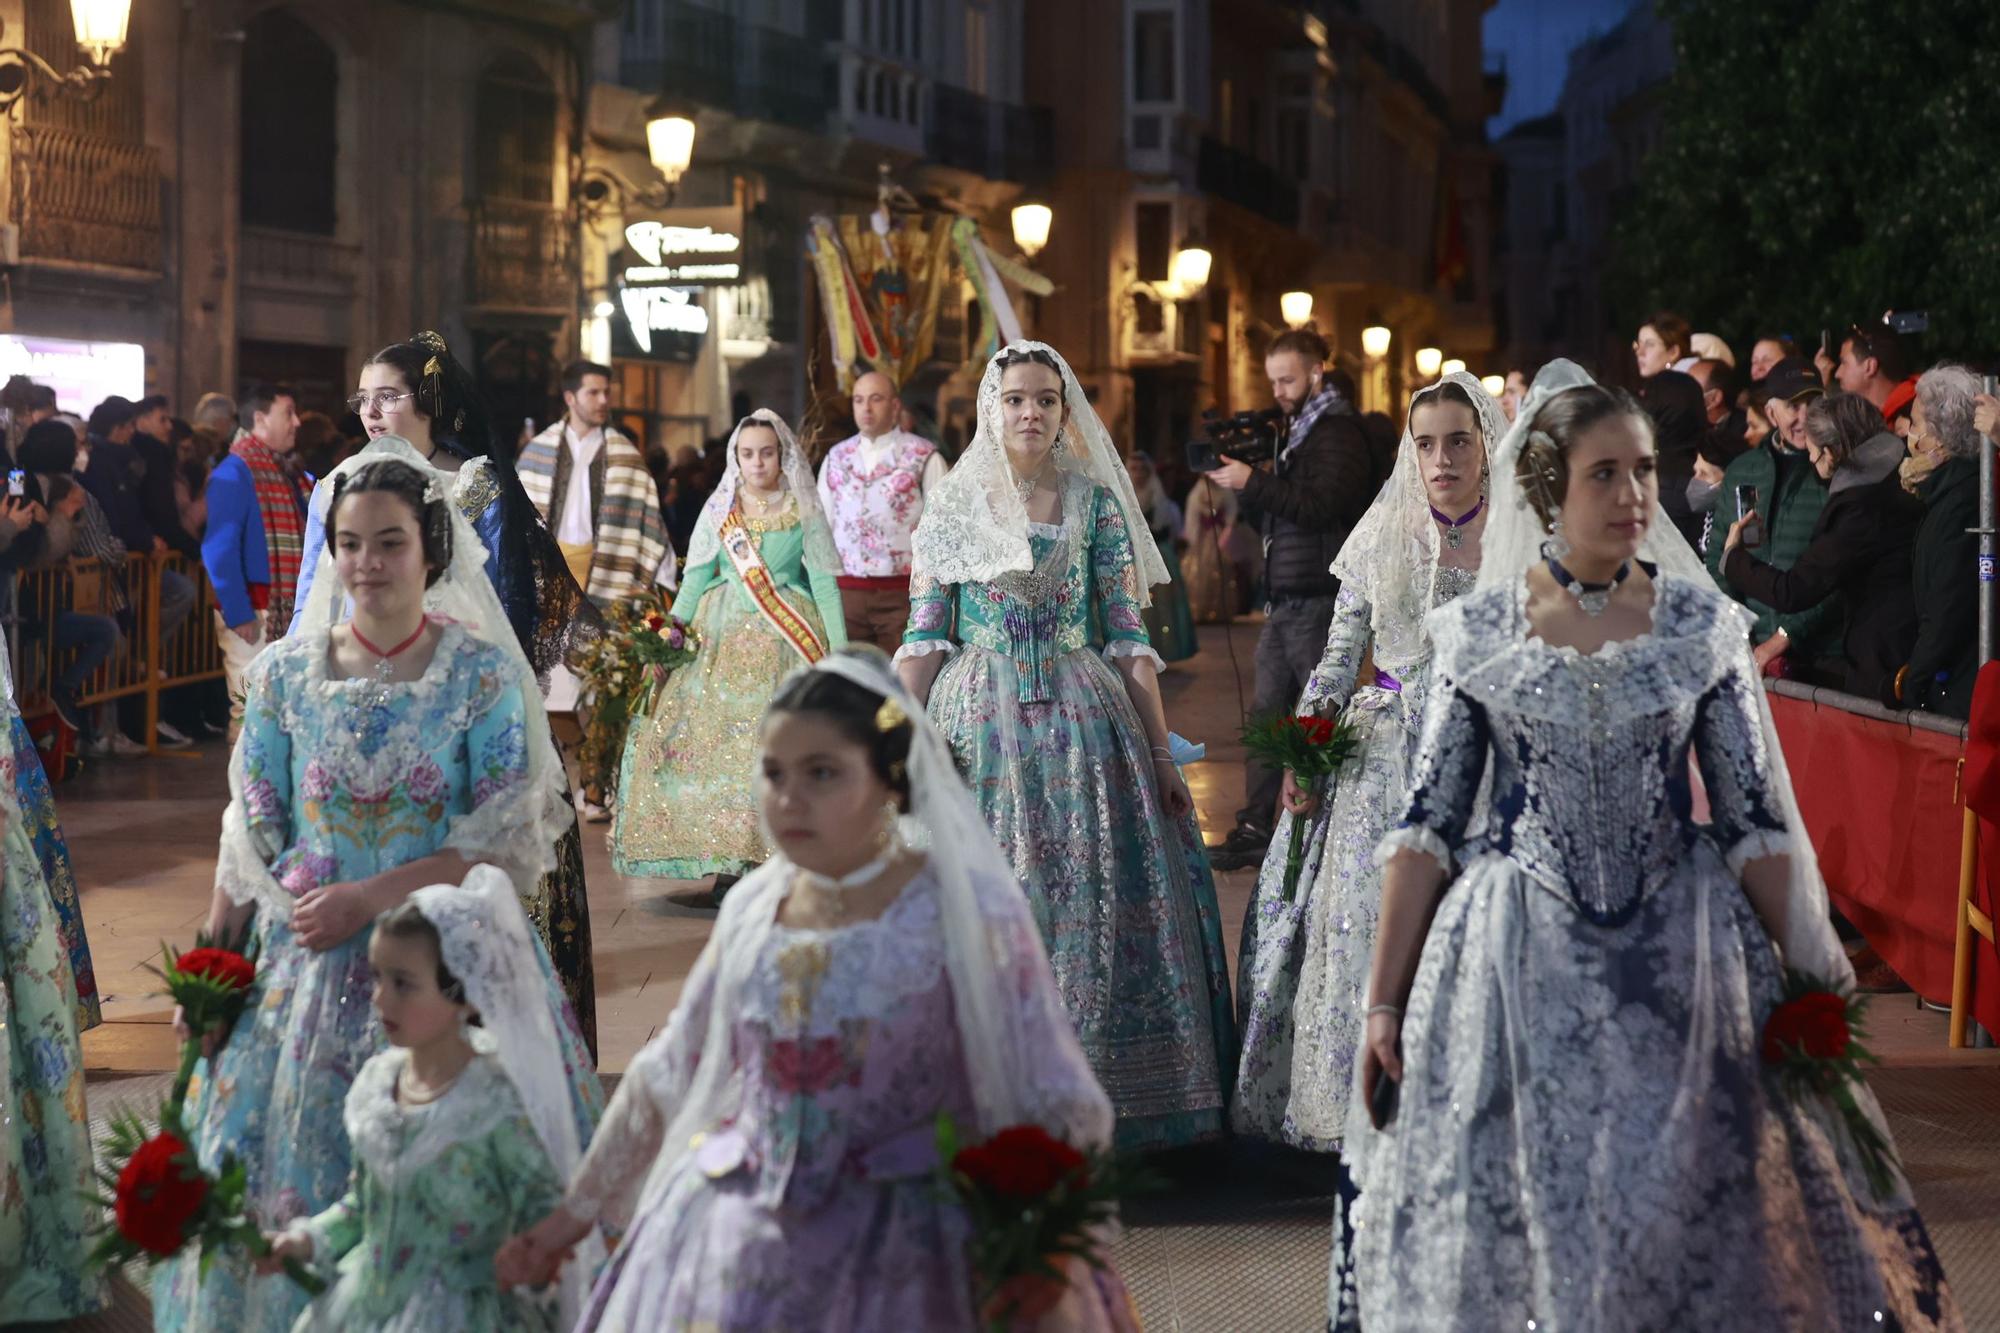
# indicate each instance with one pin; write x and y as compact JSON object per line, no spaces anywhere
{"x":685,"y":805}
{"x":436,"y":1189}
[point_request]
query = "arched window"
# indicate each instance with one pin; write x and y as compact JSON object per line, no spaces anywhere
{"x":515,"y":128}
{"x":289,"y":136}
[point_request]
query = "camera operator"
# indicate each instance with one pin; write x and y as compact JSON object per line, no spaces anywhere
{"x":1322,"y":481}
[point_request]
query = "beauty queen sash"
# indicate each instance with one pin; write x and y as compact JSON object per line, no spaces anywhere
{"x":741,"y":547}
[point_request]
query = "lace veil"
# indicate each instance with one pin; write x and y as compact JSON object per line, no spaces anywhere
{"x":517,"y":832}
{"x":821,"y":555}
{"x":489,"y":946}
{"x":975,"y":525}
{"x":1513,"y":543}
{"x":1021,"y":1069}
{"x":1391,"y":557}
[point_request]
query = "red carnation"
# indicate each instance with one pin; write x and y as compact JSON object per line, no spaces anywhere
{"x":1024,"y":1162}
{"x":1814,"y":1024}
{"x":157,"y":1195}
{"x":1319,"y":730}
{"x":225,"y":967}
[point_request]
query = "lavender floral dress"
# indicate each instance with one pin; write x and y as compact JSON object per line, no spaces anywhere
{"x":1047,"y":738}
{"x":346,"y":778}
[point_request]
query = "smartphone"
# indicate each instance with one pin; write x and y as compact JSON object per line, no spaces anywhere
{"x":17,"y":483}
{"x":1746,"y":504}
{"x":1382,"y":1101}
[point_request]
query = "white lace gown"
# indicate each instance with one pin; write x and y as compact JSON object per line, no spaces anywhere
{"x":1587,"y":1139}
{"x":1303,"y":974}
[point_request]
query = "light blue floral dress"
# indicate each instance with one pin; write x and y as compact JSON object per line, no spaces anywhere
{"x":1054,"y":752}
{"x":45,"y":1155}
{"x":346,"y":778}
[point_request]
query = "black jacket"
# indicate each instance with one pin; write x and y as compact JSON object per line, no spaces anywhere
{"x":1945,"y":569}
{"x":1861,"y":547}
{"x":114,"y":477}
{"x":1308,"y":506}
{"x":156,"y":494}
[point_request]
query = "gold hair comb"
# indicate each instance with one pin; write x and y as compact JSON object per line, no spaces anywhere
{"x":890,"y":716}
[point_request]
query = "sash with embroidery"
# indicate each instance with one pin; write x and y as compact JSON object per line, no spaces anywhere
{"x":741,"y":547}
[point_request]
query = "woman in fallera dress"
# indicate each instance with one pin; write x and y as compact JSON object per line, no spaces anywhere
{"x":760,"y":593}
{"x":1302,"y":969}
{"x":46,"y":1222}
{"x":380,"y":754}
{"x":417,"y":392}
{"x":1169,"y":620}
{"x":1569,"y":991}
{"x":1031,"y":571}
{"x":770,"y":1157}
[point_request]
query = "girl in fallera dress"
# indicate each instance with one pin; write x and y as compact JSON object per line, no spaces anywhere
{"x":770,"y":1156}
{"x":462,"y":1134}
{"x":760,"y":592}
{"x":1569,"y":990}
{"x":1303,"y":966}
{"x":1027,"y":643}
{"x":46,"y":1220}
{"x":1169,"y":620}
{"x":379,"y":754}
{"x":416,"y":392}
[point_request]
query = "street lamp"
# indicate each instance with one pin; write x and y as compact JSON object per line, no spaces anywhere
{"x":1493,"y":384}
{"x":669,"y":143}
{"x":1031,"y":227}
{"x":1452,"y":367}
{"x":1189,"y":272}
{"x":1297,"y":308}
{"x":1375,"y":341}
{"x":1428,"y":361}
{"x":100,"y":27}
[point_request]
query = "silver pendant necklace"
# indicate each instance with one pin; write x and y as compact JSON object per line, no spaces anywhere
{"x":1454,"y":528}
{"x":1592,"y":597}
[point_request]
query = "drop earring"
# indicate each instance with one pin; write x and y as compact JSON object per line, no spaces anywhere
{"x":1555,"y":546}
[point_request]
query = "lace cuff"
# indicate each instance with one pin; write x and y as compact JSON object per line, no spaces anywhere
{"x":1753,"y":846}
{"x":922,"y":648}
{"x":1118,"y":648}
{"x":1415,"y":838}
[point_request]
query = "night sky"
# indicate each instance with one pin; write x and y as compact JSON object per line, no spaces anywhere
{"x":1536,"y":37}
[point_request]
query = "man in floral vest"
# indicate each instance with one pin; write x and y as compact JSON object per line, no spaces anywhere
{"x":872,"y":488}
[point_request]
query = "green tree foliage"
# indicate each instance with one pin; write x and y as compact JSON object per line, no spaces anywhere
{"x":1822,"y":161}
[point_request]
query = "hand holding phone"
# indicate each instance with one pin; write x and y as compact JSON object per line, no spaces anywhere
{"x":1746,"y":507}
{"x":17,"y":483}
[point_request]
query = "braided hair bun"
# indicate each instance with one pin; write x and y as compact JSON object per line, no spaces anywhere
{"x":392,"y":476}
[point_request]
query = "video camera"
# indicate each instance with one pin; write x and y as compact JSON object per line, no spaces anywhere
{"x":1247,"y":437}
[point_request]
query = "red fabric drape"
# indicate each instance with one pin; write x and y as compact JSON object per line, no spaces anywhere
{"x":1880,"y":804}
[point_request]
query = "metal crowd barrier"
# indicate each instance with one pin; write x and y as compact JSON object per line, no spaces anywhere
{"x":140,"y":666}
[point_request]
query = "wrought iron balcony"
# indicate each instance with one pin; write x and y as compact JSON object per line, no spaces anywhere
{"x":717,"y":59}
{"x":988,"y":138}
{"x":1241,"y":179}
{"x":81,"y":198}
{"x":523,"y":257}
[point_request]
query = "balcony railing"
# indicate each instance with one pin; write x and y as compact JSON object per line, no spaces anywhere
{"x":1242,"y":180}
{"x":277,"y":258}
{"x":86,"y":198}
{"x":992,"y":139}
{"x":523,"y":257}
{"x":716,"y":59}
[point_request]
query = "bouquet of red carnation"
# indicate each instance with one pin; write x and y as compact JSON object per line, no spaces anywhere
{"x":1313,"y":748}
{"x":211,"y":983}
{"x":161,"y":1200}
{"x":1033,"y":1201}
{"x":1812,"y":1042}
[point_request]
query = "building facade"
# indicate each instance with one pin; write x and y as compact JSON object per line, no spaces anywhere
{"x":1332,"y":148}
{"x":274,"y":190}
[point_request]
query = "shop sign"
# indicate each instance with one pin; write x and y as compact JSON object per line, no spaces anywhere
{"x":83,"y":374}
{"x":663,"y":322}
{"x":684,"y":247}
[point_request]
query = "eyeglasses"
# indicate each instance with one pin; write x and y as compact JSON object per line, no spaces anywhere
{"x":381,"y":400}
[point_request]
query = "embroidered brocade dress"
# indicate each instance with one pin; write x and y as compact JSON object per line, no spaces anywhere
{"x":436,"y":1189}
{"x":46,"y":1224}
{"x":544,"y":607}
{"x":1577,"y":1146}
{"x":1053,"y":750}
{"x":815,"y":1207}
{"x":685,"y":804}
{"x":37,"y":805}
{"x":1302,"y":970}
{"x":349,"y":778}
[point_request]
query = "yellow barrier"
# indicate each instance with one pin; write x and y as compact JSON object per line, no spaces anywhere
{"x":140,"y":665}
